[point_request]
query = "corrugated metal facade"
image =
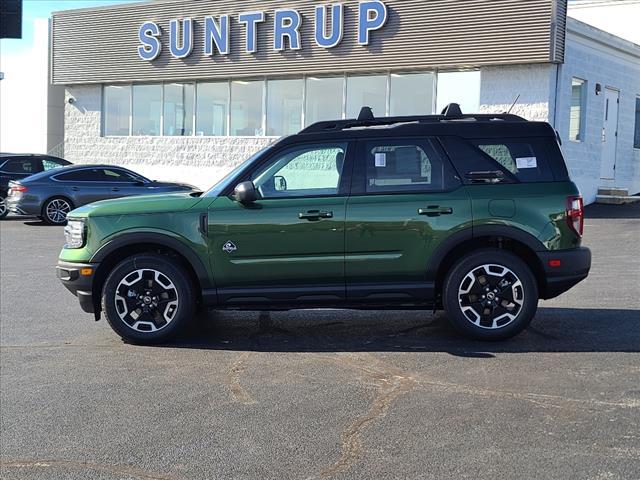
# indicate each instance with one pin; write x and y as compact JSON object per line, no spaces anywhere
{"x":100,"y":45}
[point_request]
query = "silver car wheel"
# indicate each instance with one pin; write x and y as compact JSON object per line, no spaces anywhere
{"x":491,"y":296}
{"x":57,"y":210}
{"x":146,"y":300}
{"x":3,"y":207}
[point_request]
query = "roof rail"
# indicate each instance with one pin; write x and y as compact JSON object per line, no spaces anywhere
{"x":451,"y":113}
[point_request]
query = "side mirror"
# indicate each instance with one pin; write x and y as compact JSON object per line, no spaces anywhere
{"x":245,"y":193}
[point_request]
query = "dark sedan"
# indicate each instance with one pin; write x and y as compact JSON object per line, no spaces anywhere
{"x":16,"y":166}
{"x":51,"y":195}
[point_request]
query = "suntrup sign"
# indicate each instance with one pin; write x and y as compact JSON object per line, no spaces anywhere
{"x":329,"y":24}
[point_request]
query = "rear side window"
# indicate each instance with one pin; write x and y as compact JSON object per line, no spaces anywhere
{"x":51,"y":163}
{"x":27,"y":166}
{"x":526,"y":161}
{"x":411,"y":165}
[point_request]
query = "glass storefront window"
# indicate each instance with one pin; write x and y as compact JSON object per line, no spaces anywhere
{"x":178,"y":109}
{"x":246,"y":108}
{"x":284,"y":107}
{"x":412,"y":94}
{"x":147,"y":109}
{"x":117,"y":110}
{"x":324,"y":99}
{"x":212,"y":108}
{"x":370,"y":91}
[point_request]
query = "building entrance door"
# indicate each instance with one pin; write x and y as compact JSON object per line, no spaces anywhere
{"x":610,"y":134}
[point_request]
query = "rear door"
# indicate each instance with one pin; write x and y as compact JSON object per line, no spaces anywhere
{"x":406,"y":200}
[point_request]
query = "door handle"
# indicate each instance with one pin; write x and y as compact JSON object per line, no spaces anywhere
{"x":315,"y":215}
{"x":75,"y":189}
{"x":115,"y":189}
{"x":435,"y":211}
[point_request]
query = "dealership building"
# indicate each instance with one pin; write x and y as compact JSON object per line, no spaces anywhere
{"x":181,"y":89}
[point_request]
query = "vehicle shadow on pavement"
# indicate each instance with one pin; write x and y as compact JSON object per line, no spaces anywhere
{"x":553,"y":330}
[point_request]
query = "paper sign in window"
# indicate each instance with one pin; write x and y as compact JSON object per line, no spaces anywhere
{"x":381,"y":160}
{"x":526,"y":162}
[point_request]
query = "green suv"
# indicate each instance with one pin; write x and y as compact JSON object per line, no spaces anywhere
{"x":475,"y":214}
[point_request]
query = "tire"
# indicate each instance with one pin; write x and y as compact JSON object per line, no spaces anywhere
{"x":55,"y":210}
{"x":3,"y":208}
{"x":148,"y":313}
{"x":510,"y":295}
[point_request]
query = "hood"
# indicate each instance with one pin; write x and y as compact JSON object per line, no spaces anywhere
{"x":182,"y":186}
{"x":147,"y":204}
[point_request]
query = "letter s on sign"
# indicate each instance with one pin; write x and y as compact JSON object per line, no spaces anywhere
{"x":151,"y":45}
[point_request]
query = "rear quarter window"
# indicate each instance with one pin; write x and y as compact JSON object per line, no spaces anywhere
{"x":527,"y":159}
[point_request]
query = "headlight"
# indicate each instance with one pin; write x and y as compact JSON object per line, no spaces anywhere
{"x":75,"y":233}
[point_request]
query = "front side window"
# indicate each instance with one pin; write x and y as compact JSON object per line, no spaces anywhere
{"x":303,"y":171}
{"x":117,"y":110}
{"x":636,"y":138}
{"x":405,"y":166}
{"x":246,"y":108}
{"x":578,"y":107}
{"x":178,"y":109}
{"x":147,"y":109}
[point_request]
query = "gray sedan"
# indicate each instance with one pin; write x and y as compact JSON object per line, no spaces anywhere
{"x":51,"y":195}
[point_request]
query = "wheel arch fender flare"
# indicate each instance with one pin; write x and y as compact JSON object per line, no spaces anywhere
{"x":477,"y":232}
{"x":155,"y":238}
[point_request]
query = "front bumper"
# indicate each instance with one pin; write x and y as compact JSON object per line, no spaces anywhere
{"x":75,"y":277}
{"x":563,"y":270}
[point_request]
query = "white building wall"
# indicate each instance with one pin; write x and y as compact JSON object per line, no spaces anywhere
{"x":598,"y":57}
{"x":532,"y":85}
{"x":200,"y":161}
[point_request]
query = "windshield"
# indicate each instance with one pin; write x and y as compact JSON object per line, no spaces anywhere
{"x":217,"y":189}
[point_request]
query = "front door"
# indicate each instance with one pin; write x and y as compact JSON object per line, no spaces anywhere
{"x":406,"y":201}
{"x":288,"y":246}
{"x":610,"y":133}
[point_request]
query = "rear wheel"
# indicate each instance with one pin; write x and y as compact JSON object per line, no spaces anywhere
{"x":148,"y":299}
{"x":3,"y":208}
{"x":490,"y":294}
{"x":55,"y":211}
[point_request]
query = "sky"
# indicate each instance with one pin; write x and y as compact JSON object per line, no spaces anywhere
{"x":32,"y":9}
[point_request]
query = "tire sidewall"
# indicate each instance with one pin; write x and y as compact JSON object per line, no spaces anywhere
{"x":498,"y":257}
{"x":46,"y":218}
{"x":6,"y":211}
{"x":171,"y":270}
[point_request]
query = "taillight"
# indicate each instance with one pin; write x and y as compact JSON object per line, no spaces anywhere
{"x":575,"y":214}
{"x":18,"y":188}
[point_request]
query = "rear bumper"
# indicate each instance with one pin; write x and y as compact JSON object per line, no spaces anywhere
{"x":75,"y":277}
{"x":563,"y":270}
{"x":23,"y":205}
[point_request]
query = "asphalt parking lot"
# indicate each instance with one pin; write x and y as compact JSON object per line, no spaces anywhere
{"x":322,"y":394}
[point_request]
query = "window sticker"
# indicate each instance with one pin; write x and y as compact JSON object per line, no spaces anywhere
{"x":381,"y":160}
{"x":526,"y":162}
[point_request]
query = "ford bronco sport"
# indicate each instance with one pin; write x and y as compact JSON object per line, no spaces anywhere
{"x":475,"y":214}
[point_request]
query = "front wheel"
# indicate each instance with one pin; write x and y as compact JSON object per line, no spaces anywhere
{"x":147,"y":299}
{"x":490,"y":294}
{"x":3,"y":208}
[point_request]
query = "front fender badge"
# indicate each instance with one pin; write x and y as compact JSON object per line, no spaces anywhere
{"x":229,"y":247}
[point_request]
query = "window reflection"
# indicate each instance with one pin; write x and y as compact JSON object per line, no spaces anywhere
{"x":117,"y":110}
{"x":246,"y":108}
{"x":147,"y":108}
{"x":178,"y":109}
{"x":212,"y":109}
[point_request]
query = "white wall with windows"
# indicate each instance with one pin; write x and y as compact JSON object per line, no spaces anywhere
{"x":261,"y":107}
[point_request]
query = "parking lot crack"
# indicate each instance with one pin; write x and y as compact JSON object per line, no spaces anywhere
{"x":238,"y":393}
{"x":392,"y":383}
